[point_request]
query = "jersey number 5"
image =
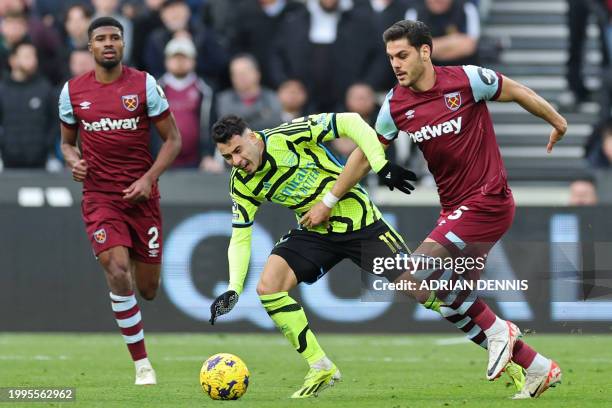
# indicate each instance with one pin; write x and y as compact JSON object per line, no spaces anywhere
{"x":457,"y":213}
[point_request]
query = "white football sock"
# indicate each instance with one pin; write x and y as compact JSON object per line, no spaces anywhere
{"x":498,"y":326}
{"x":142,"y":363}
{"x":539,"y":365}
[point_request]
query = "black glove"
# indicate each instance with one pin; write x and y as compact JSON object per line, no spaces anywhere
{"x":222,"y":305}
{"x":392,"y":175}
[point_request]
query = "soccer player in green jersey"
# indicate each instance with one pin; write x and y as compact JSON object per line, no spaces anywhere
{"x":289,"y":165}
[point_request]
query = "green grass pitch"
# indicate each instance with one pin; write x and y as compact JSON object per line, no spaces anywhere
{"x":378,"y":371}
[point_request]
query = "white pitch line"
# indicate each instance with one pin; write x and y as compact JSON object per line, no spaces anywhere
{"x":212,"y":340}
{"x":451,"y":342}
{"x":36,"y":357}
{"x":185,"y":358}
{"x":399,"y":342}
{"x":369,"y":359}
{"x":595,"y":360}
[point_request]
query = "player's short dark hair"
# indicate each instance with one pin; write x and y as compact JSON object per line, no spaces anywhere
{"x":104,"y":22}
{"x":416,"y":32}
{"x":228,"y":126}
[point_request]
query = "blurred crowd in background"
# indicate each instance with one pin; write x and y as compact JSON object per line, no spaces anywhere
{"x":268,"y":61}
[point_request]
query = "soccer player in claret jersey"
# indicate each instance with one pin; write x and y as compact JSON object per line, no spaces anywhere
{"x":290,"y":166}
{"x":110,"y":109}
{"x":443,"y":110}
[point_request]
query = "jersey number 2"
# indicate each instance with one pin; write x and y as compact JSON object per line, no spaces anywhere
{"x":154,"y":232}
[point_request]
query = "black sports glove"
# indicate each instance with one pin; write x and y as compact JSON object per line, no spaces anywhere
{"x":392,"y":176}
{"x":222,"y":305}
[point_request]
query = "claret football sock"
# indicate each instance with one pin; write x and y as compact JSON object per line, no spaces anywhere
{"x":464,"y":323}
{"x":461,"y":321}
{"x":483,"y":316}
{"x":127,"y":315}
{"x":525,"y":356}
{"x":291,"y":320}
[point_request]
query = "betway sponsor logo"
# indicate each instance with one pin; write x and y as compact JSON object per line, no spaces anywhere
{"x":111,"y":124}
{"x":430,"y":132}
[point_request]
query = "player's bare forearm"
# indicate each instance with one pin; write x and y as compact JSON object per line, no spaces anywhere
{"x":352,"y":126}
{"x":168,"y":152}
{"x":140,"y":189}
{"x":533,"y":103}
{"x":71,"y":154}
{"x":170,"y":148}
{"x":356,"y":167}
{"x":69,"y":148}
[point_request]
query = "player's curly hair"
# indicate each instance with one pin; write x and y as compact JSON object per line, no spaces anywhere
{"x":416,"y":32}
{"x":228,"y":126}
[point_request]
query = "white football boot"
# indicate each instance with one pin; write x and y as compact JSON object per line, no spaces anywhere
{"x":500,"y":346}
{"x":145,"y":375}
{"x":537,"y":383}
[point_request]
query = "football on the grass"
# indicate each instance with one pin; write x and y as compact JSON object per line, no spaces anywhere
{"x":224,"y":376}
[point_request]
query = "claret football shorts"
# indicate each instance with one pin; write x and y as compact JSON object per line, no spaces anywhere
{"x":474,"y":226}
{"x":112,"y":222}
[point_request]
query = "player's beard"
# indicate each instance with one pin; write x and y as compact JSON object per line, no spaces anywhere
{"x":109,"y":64}
{"x":414,"y":75}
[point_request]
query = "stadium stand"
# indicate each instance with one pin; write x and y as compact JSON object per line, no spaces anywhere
{"x":535,"y":38}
